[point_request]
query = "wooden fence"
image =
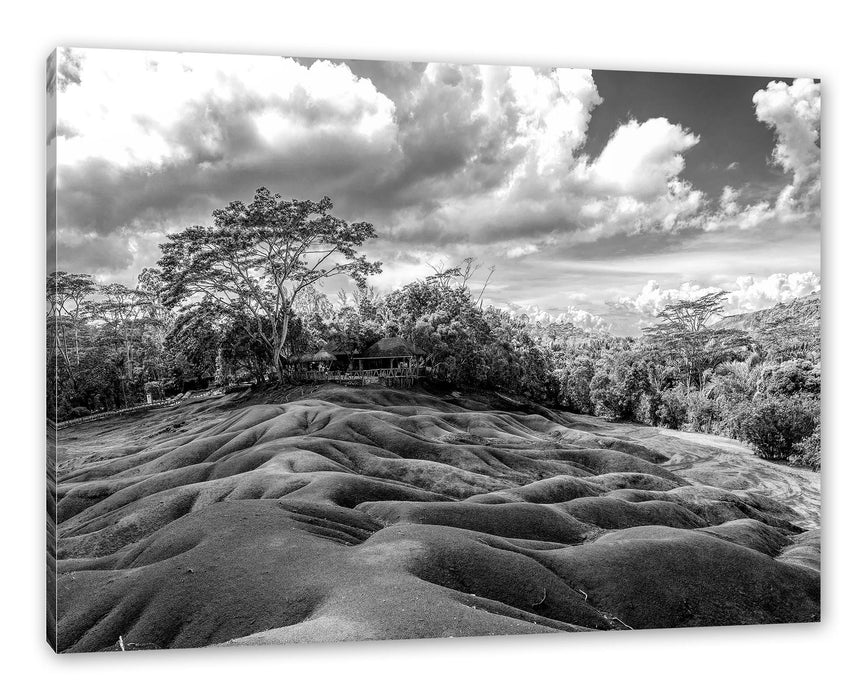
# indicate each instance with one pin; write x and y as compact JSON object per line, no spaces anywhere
{"x":389,"y":376}
{"x":118,"y":412}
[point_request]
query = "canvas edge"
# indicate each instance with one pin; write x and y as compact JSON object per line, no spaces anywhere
{"x":51,"y":428}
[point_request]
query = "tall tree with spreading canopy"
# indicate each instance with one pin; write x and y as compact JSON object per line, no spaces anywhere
{"x":684,"y":337}
{"x":261,"y":256}
{"x":67,"y":294}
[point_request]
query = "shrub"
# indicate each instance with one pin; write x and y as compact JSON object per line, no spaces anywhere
{"x":575,"y":378}
{"x":154,"y":389}
{"x":774,"y":426}
{"x":673,"y":407}
{"x":79,"y":412}
{"x":617,"y":385}
{"x":793,"y":377}
{"x":807,"y":453}
{"x":704,"y":413}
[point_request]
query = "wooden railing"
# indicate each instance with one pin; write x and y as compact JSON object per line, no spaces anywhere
{"x":391,"y":376}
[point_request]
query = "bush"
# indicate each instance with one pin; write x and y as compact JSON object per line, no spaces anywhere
{"x":774,"y":426}
{"x":673,"y":407}
{"x":807,"y":453}
{"x":575,"y":378}
{"x":793,"y":377}
{"x":154,"y":389}
{"x":617,"y":386}
{"x":704,"y":412}
{"x":79,"y":412}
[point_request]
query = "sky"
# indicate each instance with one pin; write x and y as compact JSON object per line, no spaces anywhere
{"x":597,"y":196}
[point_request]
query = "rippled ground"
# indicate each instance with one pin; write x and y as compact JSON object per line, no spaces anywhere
{"x":372,"y":513}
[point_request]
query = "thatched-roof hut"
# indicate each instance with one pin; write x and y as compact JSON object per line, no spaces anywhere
{"x":390,"y":352}
{"x":392,"y":347}
{"x":338,"y":349}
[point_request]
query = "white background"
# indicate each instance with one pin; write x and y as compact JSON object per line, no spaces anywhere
{"x":782,"y":38}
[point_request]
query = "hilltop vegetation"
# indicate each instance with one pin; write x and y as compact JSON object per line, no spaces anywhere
{"x":235,"y":301}
{"x":791,"y":330}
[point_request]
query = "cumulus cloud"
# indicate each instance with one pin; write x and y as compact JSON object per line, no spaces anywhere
{"x":653,"y":298}
{"x":208,"y":108}
{"x":640,"y":160}
{"x":156,"y":140}
{"x":793,"y":112}
{"x":464,"y":161}
{"x":747,"y":294}
{"x":487,"y":151}
{"x":730,"y":212}
{"x":634,"y":184}
{"x":153,"y":139}
{"x":751,"y":294}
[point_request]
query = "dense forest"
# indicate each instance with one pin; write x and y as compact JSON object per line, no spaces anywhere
{"x":231,"y":303}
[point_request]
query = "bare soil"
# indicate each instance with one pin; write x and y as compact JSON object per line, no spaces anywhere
{"x":369,"y":513}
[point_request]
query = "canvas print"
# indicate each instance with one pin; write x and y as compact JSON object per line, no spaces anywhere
{"x":345,"y":350}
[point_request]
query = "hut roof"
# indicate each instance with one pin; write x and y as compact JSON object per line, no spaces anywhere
{"x":337,"y":349}
{"x":323,"y":356}
{"x":392,"y":347}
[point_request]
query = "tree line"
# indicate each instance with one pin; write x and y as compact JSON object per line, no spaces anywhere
{"x":237,"y":299}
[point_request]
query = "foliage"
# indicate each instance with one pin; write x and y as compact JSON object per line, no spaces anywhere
{"x":617,"y":385}
{"x":790,"y":377}
{"x":785,"y":331}
{"x":735,"y":382}
{"x":775,"y":425}
{"x":683,"y":339}
{"x":104,"y":342}
{"x":574,"y":379}
{"x":673,"y":410}
{"x":704,"y":413}
{"x":233,"y":302}
{"x":807,"y":452}
{"x":154,"y":389}
{"x":261,"y":257}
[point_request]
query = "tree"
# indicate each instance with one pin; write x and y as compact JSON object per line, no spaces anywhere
{"x":619,"y":381}
{"x":152,"y":294}
{"x":776,"y":425}
{"x":193,"y":341}
{"x":684,"y":338}
{"x":261,"y":256}
{"x":67,"y":294}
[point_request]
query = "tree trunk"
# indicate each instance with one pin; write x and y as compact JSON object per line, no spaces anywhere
{"x":278,"y":366}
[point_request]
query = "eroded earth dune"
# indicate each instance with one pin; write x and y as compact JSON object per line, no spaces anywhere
{"x":372,"y":513}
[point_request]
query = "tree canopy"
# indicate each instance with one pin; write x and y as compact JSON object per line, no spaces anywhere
{"x":683,"y":337}
{"x":260,"y":256}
